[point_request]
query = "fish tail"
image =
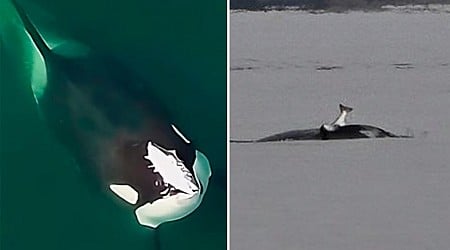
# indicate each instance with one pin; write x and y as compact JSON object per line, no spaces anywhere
{"x":347,"y":109}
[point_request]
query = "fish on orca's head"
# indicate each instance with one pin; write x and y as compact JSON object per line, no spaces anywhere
{"x":176,"y":178}
{"x":162,"y":183}
{"x":340,"y":121}
{"x":120,"y":136}
{"x":343,"y":108}
{"x":337,"y":130}
{"x":340,"y":130}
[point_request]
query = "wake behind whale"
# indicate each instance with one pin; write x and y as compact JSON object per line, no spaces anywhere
{"x":337,"y":130}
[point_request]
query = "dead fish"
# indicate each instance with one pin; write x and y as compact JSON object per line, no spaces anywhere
{"x":119,"y":134}
{"x":337,"y":130}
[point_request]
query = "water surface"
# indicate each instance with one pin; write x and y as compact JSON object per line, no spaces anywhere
{"x":290,"y":70}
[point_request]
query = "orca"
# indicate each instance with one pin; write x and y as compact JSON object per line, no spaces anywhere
{"x":121,"y":137}
{"x":337,"y":130}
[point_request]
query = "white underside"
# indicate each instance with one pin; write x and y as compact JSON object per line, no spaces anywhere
{"x":370,"y":134}
{"x":341,"y":120}
{"x":175,"y":207}
{"x":126,"y":192}
{"x":329,"y":127}
{"x":171,"y":168}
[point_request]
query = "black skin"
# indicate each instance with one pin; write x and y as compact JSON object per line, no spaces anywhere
{"x":354,"y":131}
{"x":105,"y":116}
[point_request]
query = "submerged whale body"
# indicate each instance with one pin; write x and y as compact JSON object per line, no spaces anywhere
{"x":338,"y":129}
{"x":120,"y":136}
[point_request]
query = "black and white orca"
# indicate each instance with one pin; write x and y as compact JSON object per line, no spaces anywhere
{"x":119,"y":134}
{"x":338,"y":129}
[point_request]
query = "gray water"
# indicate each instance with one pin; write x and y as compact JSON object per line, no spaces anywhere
{"x":290,"y":70}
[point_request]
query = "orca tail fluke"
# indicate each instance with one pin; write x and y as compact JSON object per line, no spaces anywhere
{"x":343,"y":108}
{"x":242,"y":141}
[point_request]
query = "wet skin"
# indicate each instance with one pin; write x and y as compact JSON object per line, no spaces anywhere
{"x":351,"y":131}
{"x":105,"y":115}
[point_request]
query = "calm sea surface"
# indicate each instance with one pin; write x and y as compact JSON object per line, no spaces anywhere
{"x":290,"y":70}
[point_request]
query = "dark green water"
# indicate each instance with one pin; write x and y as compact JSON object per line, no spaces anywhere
{"x":181,"y":47}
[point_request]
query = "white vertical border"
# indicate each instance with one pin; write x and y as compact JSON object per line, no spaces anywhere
{"x":228,"y":125}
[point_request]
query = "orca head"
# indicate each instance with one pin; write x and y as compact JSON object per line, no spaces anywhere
{"x":163,"y":182}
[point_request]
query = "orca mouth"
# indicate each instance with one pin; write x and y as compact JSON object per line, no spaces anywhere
{"x":171,"y":190}
{"x":165,"y":188}
{"x":176,"y":177}
{"x":176,"y":203}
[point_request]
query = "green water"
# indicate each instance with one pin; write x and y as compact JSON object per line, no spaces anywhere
{"x":181,"y":47}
